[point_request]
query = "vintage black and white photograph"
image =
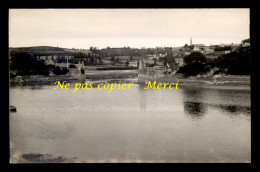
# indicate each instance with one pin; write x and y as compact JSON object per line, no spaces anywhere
{"x":97,"y":85}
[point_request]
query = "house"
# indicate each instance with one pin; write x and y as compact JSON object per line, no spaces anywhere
{"x":62,"y":65}
{"x":160,"y":71}
{"x":133,"y":64}
{"x":208,"y":50}
{"x":159,"y":63}
{"x":179,"y":61}
{"x":186,"y":49}
{"x":148,"y":62}
{"x":211,"y":56}
{"x":105,"y":61}
{"x":73,"y":70}
{"x":227,"y":51}
{"x":246,"y":44}
{"x":162,"y":55}
{"x":49,"y":62}
{"x":186,"y":53}
{"x":198,"y":47}
{"x":106,"y":58}
{"x":150,"y":57}
{"x":218,"y":53}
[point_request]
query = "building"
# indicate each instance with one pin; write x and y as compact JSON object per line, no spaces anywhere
{"x":49,"y":62}
{"x":179,"y":61}
{"x":211,"y":56}
{"x":246,"y":44}
{"x":73,"y":70}
{"x":149,"y":62}
{"x":227,"y":51}
{"x":133,"y":64}
{"x":151,"y":57}
{"x":219,"y":53}
{"x":105,"y":61}
{"x":186,"y":53}
{"x":208,"y":50}
{"x":62,"y":65}
{"x":198,"y":47}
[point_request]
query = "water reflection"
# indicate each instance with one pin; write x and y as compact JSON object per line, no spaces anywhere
{"x":229,"y":102}
{"x":142,"y":123}
{"x":196,"y":110}
{"x":193,"y":103}
{"x":233,"y":109}
{"x":142,"y":98}
{"x":193,"y":95}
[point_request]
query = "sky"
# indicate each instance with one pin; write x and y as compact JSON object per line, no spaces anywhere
{"x":136,"y":28}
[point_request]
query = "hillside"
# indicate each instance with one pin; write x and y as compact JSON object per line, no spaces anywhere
{"x":48,"y":50}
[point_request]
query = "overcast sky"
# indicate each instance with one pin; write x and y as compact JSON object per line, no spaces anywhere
{"x":82,"y":28}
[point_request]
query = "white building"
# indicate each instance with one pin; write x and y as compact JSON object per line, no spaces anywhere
{"x":179,"y":61}
{"x":133,"y":64}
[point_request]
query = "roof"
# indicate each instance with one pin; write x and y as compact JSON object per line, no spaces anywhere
{"x":62,"y":65}
{"x":159,"y":63}
{"x":211,"y":56}
{"x":149,"y":61}
{"x":123,"y":57}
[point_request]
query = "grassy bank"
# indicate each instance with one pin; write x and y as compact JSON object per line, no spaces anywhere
{"x":217,"y":81}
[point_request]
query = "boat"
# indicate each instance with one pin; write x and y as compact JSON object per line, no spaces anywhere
{"x":12,"y":109}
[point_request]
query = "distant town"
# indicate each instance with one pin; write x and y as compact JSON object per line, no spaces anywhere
{"x":47,"y":60}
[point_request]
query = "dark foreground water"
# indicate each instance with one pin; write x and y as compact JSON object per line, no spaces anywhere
{"x":135,"y":125}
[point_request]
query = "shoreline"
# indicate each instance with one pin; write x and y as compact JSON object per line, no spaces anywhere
{"x":221,"y":82}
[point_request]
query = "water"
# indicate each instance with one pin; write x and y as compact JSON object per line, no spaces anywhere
{"x":135,"y":125}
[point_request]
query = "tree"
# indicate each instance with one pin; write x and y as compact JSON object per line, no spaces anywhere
{"x":127,"y":63}
{"x":24,"y":64}
{"x":235,"y":63}
{"x":83,"y":58}
{"x":112,"y":59}
{"x":169,"y":59}
{"x":195,"y":57}
{"x":92,"y":60}
{"x":117,"y":60}
{"x":195,"y":63}
{"x":155,"y":61}
{"x":246,"y":40}
{"x":58,"y":71}
{"x":222,"y":48}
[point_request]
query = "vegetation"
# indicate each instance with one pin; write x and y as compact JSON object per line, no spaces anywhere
{"x":58,"y":71}
{"x":235,"y":63}
{"x":24,"y":64}
{"x":195,"y":63}
{"x":127,"y":63}
{"x":246,"y":41}
{"x":82,"y":58}
{"x":94,"y":50}
{"x":169,"y":60}
{"x":218,"y":48}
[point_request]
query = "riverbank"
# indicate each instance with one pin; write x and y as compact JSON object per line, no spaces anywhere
{"x":111,"y":74}
{"x":131,"y":76}
{"x":90,"y":75}
{"x":217,"y":81}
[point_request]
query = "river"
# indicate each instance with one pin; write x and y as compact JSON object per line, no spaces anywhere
{"x":134,"y":125}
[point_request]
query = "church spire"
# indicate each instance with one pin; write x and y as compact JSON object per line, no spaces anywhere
{"x":190,"y":41}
